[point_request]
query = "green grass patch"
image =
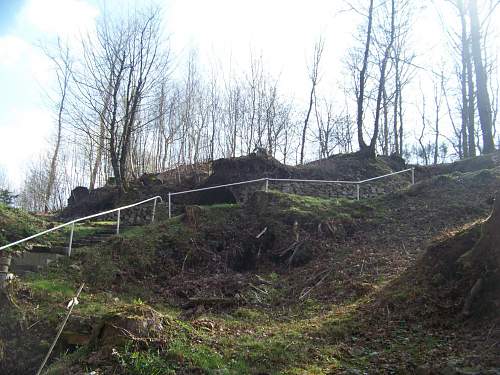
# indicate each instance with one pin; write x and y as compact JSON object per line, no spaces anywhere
{"x":16,"y":224}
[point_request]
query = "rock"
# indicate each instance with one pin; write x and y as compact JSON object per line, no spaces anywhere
{"x":78,"y":194}
{"x":70,"y":338}
{"x":139,"y":322}
{"x":75,"y":267}
{"x":423,"y":370}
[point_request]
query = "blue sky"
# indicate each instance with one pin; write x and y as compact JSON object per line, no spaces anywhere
{"x":26,"y":118}
{"x":8,"y":11}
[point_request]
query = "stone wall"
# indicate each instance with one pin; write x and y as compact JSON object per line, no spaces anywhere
{"x":325,"y":190}
{"x":138,"y":215}
{"x":141,"y":215}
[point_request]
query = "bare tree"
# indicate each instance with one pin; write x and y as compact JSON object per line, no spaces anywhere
{"x":423,"y":149}
{"x":379,"y":38}
{"x":4,"y":184}
{"x":122,"y":66}
{"x":314,"y":77}
{"x":438,"y":95}
{"x":360,"y":91}
{"x":63,"y":68}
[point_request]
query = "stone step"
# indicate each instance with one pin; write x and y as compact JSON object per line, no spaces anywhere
{"x":39,"y":256}
{"x":21,"y":270}
{"x":52,"y":249}
{"x":32,"y":262}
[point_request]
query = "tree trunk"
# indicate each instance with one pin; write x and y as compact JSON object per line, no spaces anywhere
{"x":471,"y":107}
{"x":306,"y":121}
{"x":5,"y":259}
{"x":363,"y":147}
{"x":386,"y":124}
{"x":382,"y":80}
{"x":396,"y":103}
{"x":483,"y":99}
{"x":465,"y":57}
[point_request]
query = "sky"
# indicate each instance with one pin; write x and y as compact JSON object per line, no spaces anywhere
{"x":222,"y":31}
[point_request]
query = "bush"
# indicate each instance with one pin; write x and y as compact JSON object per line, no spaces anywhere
{"x":7,"y":197}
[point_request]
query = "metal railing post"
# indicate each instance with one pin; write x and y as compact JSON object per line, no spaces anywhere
{"x":71,"y":239}
{"x":357,"y":191}
{"x":169,"y":205}
{"x":118,"y":222}
{"x":267,"y":184}
{"x":413,"y":176}
{"x":154,"y":210}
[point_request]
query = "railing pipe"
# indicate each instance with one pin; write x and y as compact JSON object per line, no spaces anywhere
{"x":385,"y":175}
{"x":217,"y":187}
{"x":169,"y":205}
{"x":71,"y":239}
{"x":357,"y":183}
{"x":316,"y":181}
{"x":154,"y":211}
{"x":118,"y":222}
{"x":77,"y":221}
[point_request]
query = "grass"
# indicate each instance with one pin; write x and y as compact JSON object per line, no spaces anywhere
{"x":277,"y":337}
{"x":316,"y":208}
{"x":16,"y":224}
{"x":54,"y":288}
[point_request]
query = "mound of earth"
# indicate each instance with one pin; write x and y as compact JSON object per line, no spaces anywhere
{"x":477,"y":163}
{"x":351,"y":167}
{"x":347,"y":167}
{"x":462,"y":272}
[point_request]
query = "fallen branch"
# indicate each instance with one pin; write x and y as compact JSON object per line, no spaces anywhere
{"x":261,"y":233}
{"x":309,"y":290}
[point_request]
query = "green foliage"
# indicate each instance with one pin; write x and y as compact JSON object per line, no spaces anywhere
{"x":16,"y":224}
{"x":317,"y":209}
{"x":143,"y":362}
{"x":7,"y":197}
{"x":55,"y":288}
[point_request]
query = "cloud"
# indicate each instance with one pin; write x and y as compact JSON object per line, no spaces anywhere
{"x":25,"y":135}
{"x":12,"y":50}
{"x":65,"y":18}
{"x":22,"y":62}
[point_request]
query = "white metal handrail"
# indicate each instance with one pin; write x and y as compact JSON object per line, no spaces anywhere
{"x":73,"y":222}
{"x":218,"y":186}
{"x":313,"y":181}
{"x":391,"y":174}
{"x":267,"y":179}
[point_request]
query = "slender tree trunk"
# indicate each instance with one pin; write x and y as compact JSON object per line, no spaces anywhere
{"x":483,"y":98}
{"x":471,"y":106}
{"x":98,"y":158}
{"x":382,"y":80}
{"x":362,"y":82}
{"x":306,"y":121}
{"x":386,"y":123}
{"x":55,"y":155}
{"x":400,"y":113}
{"x":463,"y":81}
{"x":396,"y":103}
